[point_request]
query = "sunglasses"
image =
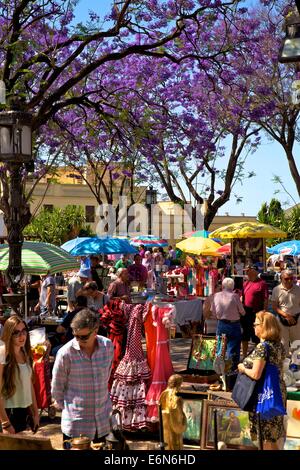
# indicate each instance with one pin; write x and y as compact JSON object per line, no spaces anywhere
{"x":288,"y":278}
{"x":18,"y":333}
{"x":83,"y":337}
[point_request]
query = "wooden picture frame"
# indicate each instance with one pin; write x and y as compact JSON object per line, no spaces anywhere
{"x":232,"y":423}
{"x":23,"y":442}
{"x":202,"y":353}
{"x":192,"y":407}
{"x":292,"y":443}
{"x":293,"y":418}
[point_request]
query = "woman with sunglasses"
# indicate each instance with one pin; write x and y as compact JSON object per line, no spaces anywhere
{"x":270,"y":348}
{"x":16,"y":387}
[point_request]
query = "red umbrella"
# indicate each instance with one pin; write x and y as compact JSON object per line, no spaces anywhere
{"x":225,"y":249}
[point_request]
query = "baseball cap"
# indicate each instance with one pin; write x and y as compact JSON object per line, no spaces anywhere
{"x":252,"y":266}
{"x":83,"y":272}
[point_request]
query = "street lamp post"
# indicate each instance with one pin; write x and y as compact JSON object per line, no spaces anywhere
{"x":151,"y":198}
{"x":15,"y":153}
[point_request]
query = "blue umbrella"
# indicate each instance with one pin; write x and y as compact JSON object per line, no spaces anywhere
{"x":70,"y":244}
{"x":105,"y":245}
{"x":290,"y":247}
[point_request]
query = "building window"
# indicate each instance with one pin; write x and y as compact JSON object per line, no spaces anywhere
{"x":90,"y":214}
{"x":48,"y":207}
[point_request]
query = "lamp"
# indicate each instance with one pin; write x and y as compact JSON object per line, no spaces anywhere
{"x":15,"y":153}
{"x":290,"y":48}
{"x":151,"y":198}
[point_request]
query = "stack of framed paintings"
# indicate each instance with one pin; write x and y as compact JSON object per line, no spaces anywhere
{"x":192,"y":407}
{"x":233,"y":429}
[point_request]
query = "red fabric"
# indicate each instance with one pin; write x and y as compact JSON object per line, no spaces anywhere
{"x":150,"y":335}
{"x":113,"y":317}
{"x":254,"y":294}
{"x":163,"y":365}
{"x":42,"y":383}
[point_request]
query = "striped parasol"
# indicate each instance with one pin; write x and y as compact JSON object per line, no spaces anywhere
{"x":148,"y":241}
{"x":39,"y":258}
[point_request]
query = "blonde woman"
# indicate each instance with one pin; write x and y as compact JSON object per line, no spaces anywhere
{"x":16,"y":386}
{"x":267,"y":329}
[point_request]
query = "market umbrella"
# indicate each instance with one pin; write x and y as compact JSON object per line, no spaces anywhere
{"x":198,"y":246}
{"x":248,"y":230}
{"x":39,"y":258}
{"x":70,"y":244}
{"x":148,"y":241}
{"x":200,"y":233}
{"x":197,"y":233}
{"x":224,"y":250}
{"x":290,"y":247}
{"x":104,"y":245}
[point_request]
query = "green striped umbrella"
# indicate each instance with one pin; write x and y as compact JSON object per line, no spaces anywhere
{"x":40,"y":258}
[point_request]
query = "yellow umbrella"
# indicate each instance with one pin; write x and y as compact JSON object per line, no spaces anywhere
{"x":248,"y":230}
{"x":198,"y":246}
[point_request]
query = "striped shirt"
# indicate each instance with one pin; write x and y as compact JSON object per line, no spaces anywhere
{"x":79,"y":386}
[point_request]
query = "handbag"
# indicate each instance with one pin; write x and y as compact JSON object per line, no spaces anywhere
{"x":284,"y":321}
{"x":270,"y":402}
{"x":244,"y":392}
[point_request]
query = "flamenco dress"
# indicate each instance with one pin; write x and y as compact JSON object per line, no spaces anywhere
{"x":162,"y":319}
{"x":132,"y":375}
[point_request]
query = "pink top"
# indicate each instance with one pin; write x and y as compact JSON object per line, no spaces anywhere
{"x":137,"y":272}
{"x":226,"y":305}
{"x":255,"y":293}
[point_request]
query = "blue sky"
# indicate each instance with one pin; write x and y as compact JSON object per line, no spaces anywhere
{"x":269,"y":159}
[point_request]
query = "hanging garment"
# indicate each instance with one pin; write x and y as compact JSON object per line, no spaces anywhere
{"x":150,"y":335}
{"x":162,"y":319}
{"x":114,"y":319}
{"x":132,"y":375}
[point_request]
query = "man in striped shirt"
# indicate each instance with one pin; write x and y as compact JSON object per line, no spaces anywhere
{"x":80,"y":380}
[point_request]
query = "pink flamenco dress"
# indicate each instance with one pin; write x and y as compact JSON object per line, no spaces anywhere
{"x":132,"y":375}
{"x":163,"y":320}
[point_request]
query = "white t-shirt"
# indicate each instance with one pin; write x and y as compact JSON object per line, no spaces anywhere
{"x":22,"y":396}
{"x":239,"y":267}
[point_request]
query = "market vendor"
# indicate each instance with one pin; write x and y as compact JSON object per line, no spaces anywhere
{"x":137,"y":272}
{"x":120,"y":288}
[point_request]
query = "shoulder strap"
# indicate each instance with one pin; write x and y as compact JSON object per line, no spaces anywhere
{"x":267,"y":349}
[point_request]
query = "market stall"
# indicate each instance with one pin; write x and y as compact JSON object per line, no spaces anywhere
{"x":202,"y":274}
{"x":248,"y":241}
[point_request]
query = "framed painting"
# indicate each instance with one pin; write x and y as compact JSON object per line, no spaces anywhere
{"x":248,"y":249}
{"x":292,"y":443}
{"x":233,"y":427}
{"x":293,"y":418}
{"x":203,"y":352}
{"x":192,"y":407}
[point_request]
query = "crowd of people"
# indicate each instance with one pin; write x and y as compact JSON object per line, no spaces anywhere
{"x":84,"y":360}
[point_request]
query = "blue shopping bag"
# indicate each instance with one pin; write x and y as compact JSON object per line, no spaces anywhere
{"x":270,"y":402}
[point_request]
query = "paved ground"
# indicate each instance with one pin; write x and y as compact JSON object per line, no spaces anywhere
{"x":180,"y":348}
